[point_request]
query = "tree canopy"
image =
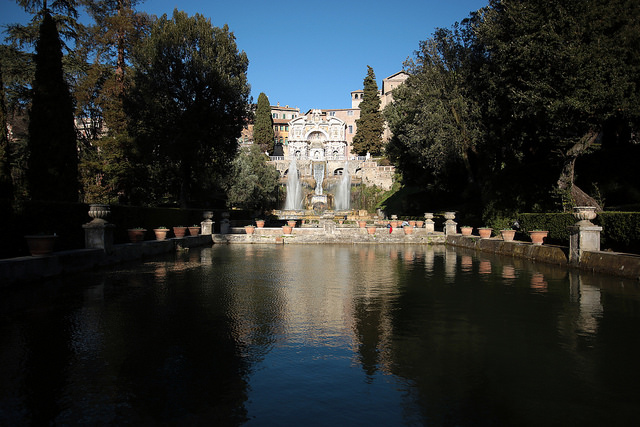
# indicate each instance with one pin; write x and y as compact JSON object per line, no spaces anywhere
{"x":53,"y":159}
{"x":189,"y":103}
{"x":252,"y":184}
{"x":263,"y":134}
{"x":370,"y":125}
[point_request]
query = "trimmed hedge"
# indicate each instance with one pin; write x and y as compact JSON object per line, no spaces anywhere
{"x":620,"y":230}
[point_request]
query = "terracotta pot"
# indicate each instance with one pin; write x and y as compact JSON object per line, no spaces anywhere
{"x":419,"y":224}
{"x":395,"y":224}
{"x":260,"y":223}
{"x":362,"y":224}
{"x":179,"y":231}
{"x":371,"y":229}
{"x":40,"y":245}
{"x":466,"y":231}
{"x":484,"y":232}
{"x":291,"y":224}
{"x":340,"y":221}
{"x":412,"y":223}
{"x":161,"y":233}
{"x":508,"y":235}
{"x":194,"y":231}
{"x":249,"y":229}
{"x":286,"y":229}
{"x":408,"y":229}
{"x":537,"y":236}
{"x":136,"y":235}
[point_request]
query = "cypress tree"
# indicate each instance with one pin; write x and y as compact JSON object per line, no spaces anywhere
{"x":6,"y":187}
{"x":368,"y":137}
{"x":263,"y":133}
{"x":53,"y":157}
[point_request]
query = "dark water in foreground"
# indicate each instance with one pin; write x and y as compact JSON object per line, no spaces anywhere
{"x":322,"y":335}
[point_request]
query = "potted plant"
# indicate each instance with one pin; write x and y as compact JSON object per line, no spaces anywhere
{"x":371,"y":229}
{"x":180,"y":231}
{"x":249,"y":229}
{"x":292,"y":223}
{"x":194,"y":230}
{"x":408,"y":229}
{"x":537,"y":236}
{"x":508,"y":235}
{"x":161,"y":232}
{"x":286,"y":229}
{"x":41,"y":244}
{"x":362,"y":224}
{"x":136,"y":234}
{"x":466,"y":230}
{"x":419,"y":224}
{"x":484,"y":232}
{"x":260,"y":223}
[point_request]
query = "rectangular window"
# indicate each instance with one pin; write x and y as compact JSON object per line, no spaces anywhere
{"x":332,"y":113}
{"x":350,"y":113}
{"x":350,"y":129}
{"x":275,"y":115}
{"x":286,"y":128}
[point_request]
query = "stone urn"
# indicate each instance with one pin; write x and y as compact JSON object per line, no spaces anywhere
{"x":484,"y":232}
{"x":136,"y":235}
{"x":249,"y":229}
{"x":428,"y":215}
{"x":408,"y":229}
{"x":260,"y":223}
{"x":40,"y":244}
{"x":161,"y":233}
{"x":537,"y":236}
{"x":99,"y":212}
{"x":180,"y":231}
{"x":508,"y":235}
{"x":584,"y":215}
{"x":466,"y":230}
{"x":194,"y":230}
{"x":449,"y":216}
{"x":371,"y":229}
{"x":286,"y":229}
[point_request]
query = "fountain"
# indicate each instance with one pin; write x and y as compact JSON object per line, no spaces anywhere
{"x":294,"y":189}
{"x":318,"y":199}
{"x":343,"y":191}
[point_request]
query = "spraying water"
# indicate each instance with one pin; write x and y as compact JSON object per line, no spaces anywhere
{"x":343,"y":191}
{"x":294,"y":189}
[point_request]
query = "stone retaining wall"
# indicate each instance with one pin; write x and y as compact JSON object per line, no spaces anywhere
{"x":30,"y":268}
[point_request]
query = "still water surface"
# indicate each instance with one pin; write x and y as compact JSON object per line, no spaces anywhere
{"x":322,"y":335}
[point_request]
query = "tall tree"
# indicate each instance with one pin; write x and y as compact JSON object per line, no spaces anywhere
{"x":370,"y":125}
{"x":53,"y":159}
{"x":263,"y":133}
{"x":189,"y":102}
{"x":435,"y":125}
{"x":6,"y":184}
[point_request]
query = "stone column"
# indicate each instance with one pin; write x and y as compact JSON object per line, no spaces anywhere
{"x":429,"y":225}
{"x":450,"y":226}
{"x":206,"y":226}
{"x":584,"y":235}
{"x":98,"y":233}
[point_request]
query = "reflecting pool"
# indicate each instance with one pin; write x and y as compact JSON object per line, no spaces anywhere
{"x":322,"y":335}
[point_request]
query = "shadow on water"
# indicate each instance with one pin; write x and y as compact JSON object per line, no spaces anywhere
{"x":322,"y":335}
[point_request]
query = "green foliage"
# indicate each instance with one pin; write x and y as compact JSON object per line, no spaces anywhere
{"x":434,"y":123}
{"x":620,"y":231}
{"x":263,"y":134}
{"x":253,"y":183}
{"x":6,"y":184}
{"x":53,"y":159}
{"x":555,"y":223}
{"x":189,"y":104}
{"x":368,"y":137}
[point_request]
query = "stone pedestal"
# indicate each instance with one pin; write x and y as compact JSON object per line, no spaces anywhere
{"x":583,"y":238}
{"x":584,"y":235}
{"x":450,"y":226}
{"x":206,"y":226}
{"x":429,"y":225}
{"x":98,"y":234}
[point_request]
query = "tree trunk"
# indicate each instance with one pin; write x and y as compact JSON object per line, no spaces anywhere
{"x":566,"y":184}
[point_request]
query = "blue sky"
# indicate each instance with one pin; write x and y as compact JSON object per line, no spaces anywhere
{"x":312,"y":54}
